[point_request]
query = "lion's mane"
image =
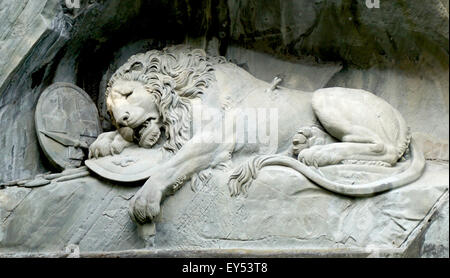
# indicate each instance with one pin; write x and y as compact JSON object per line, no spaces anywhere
{"x":174,"y":75}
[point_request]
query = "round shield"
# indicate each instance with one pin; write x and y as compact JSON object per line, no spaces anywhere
{"x":133,"y":164}
{"x":67,"y":123}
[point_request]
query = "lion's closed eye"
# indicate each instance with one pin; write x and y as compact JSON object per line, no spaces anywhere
{"x":127,"y":93}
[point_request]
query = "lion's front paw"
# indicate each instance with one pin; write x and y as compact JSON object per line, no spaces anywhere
{"x":108,"y":143}
{"x":102,"y":146}
{"x":145,"y":205}
{"x":119,"y":144}
{"x":308,"y":137}
{"x":317,"y":156}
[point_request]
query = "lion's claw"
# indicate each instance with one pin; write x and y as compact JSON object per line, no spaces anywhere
{"x":308,"y":137}
{"x":108,"y":143}
{"x":316,"y":156}
{"x":145,"y":205}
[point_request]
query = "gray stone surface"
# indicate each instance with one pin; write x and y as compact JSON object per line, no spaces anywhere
{"x":295,"y":214}
{"x":288,"y":216}
{"x":20,"y":155}
{"x":343,"y":30}
{"x":435,"y":240}
{"x":84,"y":212}
{"x":23,"y":23}
{"x":302,"y":75}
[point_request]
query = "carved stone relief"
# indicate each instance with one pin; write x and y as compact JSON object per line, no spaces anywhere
{"x":66,"y":124}
{"x":189,"y":106}
{"x":266,"y":153}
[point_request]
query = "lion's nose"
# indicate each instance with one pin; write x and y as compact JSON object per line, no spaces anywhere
{"x":123,"y":120}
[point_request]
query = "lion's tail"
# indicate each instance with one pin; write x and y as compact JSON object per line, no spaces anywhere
{"x":242,"y":178}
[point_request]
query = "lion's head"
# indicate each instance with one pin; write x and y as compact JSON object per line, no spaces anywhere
{"x":152,"y":91}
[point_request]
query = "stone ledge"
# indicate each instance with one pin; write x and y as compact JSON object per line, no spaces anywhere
{"x":410,"y":248}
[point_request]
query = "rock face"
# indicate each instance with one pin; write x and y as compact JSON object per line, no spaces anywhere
{"x":398,"y":51}
{"x":347,"y":30}
{"x":435,"y":240}
{"x":81,"y":213}
{"x":24,"y":23}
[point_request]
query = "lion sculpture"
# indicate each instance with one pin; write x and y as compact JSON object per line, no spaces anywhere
{"x":151,"y":99}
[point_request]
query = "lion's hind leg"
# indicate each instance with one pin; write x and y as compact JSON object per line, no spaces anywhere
{"x":368,"y":130}
{"x":331,"y":154}
{"x":308,"y":137}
